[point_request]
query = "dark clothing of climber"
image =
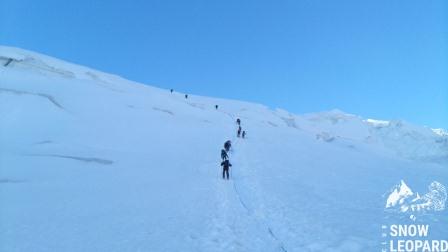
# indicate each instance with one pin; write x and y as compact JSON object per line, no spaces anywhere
{"x":224,"y":155}
{"x":225,"y":168}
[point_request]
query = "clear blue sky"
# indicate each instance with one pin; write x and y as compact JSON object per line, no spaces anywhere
{"x":380,"y":59}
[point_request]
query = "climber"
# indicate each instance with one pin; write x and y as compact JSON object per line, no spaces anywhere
{"x":238,"y":121}
{"x":216,"y":106}
{"x":244,"y":134}
{"x":171,"y":90}
{"x":227,"y":145}
{"x":186,"y":96}
{"x":225,"y":168}
{"x":224,"y":155}
{"x":239,"y":131}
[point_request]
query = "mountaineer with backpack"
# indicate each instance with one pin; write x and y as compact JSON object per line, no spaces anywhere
{"x":224,"y":155}
{"x":225,"y":168}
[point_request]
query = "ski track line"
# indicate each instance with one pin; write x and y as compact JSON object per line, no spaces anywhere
{"x":218,"y":223}
{"x":271,"y":233}
{"x":216,"y":228}
{"x":249,"y":211}
{"x":227,"y":206}
{"x":220,"y":227}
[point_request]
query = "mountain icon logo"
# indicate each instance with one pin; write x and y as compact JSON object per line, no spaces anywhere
{"x":402,"y":199}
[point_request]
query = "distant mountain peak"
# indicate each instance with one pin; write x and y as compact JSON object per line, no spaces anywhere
{"x":440,"y":132}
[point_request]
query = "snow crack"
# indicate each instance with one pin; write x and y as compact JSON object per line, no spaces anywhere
{"x":46,"y":96}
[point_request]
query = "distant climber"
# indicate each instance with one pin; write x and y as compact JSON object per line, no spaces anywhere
{"x":216,"y":106}
{"x":224,"y":155}
{"x":225,"y":168}
{"x":186,"y":96}
{"x":227,"y":145}
{"x":171,"y":90}
{"x":244,"y":134}
{"x":238,"y":121}
{"x":238,"y":134}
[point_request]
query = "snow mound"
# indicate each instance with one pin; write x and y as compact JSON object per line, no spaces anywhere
{"x":377,"y":123}
{"x":35,"y":62}
{"x":412,"y":141}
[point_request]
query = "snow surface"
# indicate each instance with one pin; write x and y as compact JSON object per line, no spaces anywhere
{"x":92,"y":162}
{"x":440,"y":132}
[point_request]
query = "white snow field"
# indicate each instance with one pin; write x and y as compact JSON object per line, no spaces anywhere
{"x":92,"y":162}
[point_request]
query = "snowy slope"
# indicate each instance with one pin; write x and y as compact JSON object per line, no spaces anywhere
{"x":93,"y":162}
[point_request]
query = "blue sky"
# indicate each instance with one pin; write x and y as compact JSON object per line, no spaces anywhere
{"x":379,"y":59}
